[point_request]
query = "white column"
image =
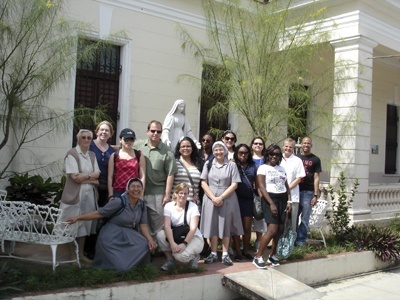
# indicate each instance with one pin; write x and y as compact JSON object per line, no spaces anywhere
{"x":351,"y":127}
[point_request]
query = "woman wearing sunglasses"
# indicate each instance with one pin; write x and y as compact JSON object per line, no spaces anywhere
{"x":271,"y":181}
{"x":229,"y":139}
{"x":124,"y":164}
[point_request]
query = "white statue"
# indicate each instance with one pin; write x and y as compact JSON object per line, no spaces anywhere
{"x":176,"y":126}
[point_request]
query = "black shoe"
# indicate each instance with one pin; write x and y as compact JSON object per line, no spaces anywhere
{"x":273,"y":260}
{"x":238,"y":257}
{"x":259,"y":262}
{"x":248,"y":256}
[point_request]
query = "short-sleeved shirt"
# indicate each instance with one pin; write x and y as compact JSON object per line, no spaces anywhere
{"x":275,"y":178}
{"x":177,"y":217}
{"x":312,"y":165}
{"x":245,"y":188}
{"x":294,"y":169}
{"x":160,"y":163}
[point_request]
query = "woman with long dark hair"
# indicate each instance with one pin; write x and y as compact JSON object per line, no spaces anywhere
{"x":188,"y":162}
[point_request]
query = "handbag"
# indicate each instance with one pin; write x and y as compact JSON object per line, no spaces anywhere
{"x":179,"y":233}
{"x":257,"y":208}
{"x":286,"y":240}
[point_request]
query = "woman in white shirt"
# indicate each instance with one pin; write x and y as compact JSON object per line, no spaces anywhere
{"x":271,"y":180}
{"x":187,"y":251}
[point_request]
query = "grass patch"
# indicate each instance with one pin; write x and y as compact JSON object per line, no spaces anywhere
{"x":35,"y":277}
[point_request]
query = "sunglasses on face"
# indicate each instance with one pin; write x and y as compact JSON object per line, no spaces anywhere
{"x":156,"y":131}
{"x":229,"y":138}
{"x":86,"y":138}
{"x":129,"y":139}
{"x":275,"y":154}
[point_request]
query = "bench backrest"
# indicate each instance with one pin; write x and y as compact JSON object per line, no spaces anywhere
{"x":29,"y":222}
{"x":3,"y":195}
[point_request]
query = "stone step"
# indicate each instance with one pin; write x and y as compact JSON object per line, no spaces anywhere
{"x":268,"y":284}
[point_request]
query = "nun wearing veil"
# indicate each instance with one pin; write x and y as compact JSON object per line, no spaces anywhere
{"x":177,"y":126}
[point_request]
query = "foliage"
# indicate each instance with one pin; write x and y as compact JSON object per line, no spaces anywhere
{"x":8,"y":280}
{"x":339,"y":219}
{"x":38,"y":277}
{"x":37,"y":53}
{"x":382,"y":240}
{"x":395,"y":223}
{"x":269,"y":60}
{"x":33,"y":189}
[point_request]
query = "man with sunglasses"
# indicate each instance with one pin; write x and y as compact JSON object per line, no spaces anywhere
{"x":160,"y":170}
{"x":309,"y":188}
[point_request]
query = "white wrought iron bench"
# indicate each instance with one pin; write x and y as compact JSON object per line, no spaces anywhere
{"x":317,"y":218}
{"x":37,"y":224}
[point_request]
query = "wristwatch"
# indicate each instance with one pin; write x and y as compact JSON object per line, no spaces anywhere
{"x":186,"y":243}
{"x":316,"y":196}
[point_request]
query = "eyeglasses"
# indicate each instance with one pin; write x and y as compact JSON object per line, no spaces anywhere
{"x":258,"y":144}
{"x":86,"y":138}
{"x":275,"y":154}
{"x":243,"y":152}
{"x":206,"y":141}
{"x":229,"y":138}
{"x":154,"y":131}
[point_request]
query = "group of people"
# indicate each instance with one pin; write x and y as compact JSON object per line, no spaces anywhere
{"x":143,"y":191}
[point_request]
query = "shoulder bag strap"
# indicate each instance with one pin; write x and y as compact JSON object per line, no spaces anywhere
{"x":186,"y":209}
{"x":189,"y":176}
{"x":244,"y":173}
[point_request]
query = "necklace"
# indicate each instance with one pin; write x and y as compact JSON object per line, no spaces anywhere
{"x":134,"y":215}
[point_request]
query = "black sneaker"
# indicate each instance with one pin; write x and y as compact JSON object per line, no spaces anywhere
{"x":238,"y":257}
{"x":259,"y":262}
{"x":248,"y":256}
{"x":273,"y":260}
{"x":226,"y":260}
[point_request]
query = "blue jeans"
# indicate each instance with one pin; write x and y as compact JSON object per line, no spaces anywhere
{"x":305,"y":209}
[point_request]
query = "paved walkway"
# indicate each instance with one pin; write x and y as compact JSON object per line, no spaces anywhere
{"x":374,"y":286}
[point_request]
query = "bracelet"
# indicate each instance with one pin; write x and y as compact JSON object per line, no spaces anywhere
{"x":316,"y":196}
{"x":110,"y":196}
{"x":184,"y":242}
{"x":289,"y":202}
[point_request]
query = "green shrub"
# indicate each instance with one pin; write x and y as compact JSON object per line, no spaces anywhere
{"x":339,"y":219}
{"x":33,"y":189}
{"x":382,"y":240}
{"x":8,"y":281}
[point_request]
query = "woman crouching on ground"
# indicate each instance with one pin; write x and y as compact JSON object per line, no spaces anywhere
{"x":188,"y":250}
{"x":125,"y":240}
